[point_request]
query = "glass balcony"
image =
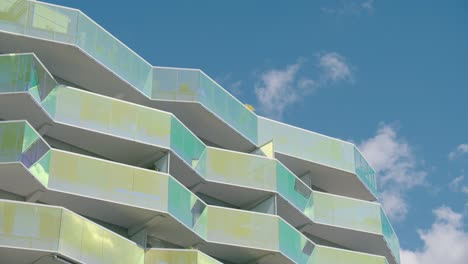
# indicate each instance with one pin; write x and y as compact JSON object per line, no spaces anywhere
{"x":237,"y":168}
{"x":53,"y":229}
{"x":72,"y":106}
{"x":251,"y":171}
{"x":346,"y":212}
{"x":122,"y":119}
{"x":19,"y":142}
{"x":390,"y":236}
{"x":195,"y":86}
{"x":132,"y":186}
{"x":70,"y":26}
{"x":38,"y":19}
{"x":73,"y":27}
{"x":330,"y":255}
{"x":24,"y":73}
{"x":316,"y":148}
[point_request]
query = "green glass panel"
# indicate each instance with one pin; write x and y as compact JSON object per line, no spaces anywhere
{"x":364,"y":171}
{"x":390,"y":236}
{"x":30,"y":136}
{"x":193,"y":85}
{"x":11,"y":141}
{"x":16,"y":73}
{"x":184,"y":142}
{"x":113,"y":54}
{"x":230,"y":110}
{"x":201,"y":224}
{"x":41,"y":82}
{"x":49,"y":104}
{"x":180,"y":203}
{"x":41,"y":169}
{"x":346,"y":212}
{"x":293,"y":244}
{"x":294,"y":190}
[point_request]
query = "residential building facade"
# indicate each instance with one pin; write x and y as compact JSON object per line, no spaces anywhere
{"x":105,"y":158}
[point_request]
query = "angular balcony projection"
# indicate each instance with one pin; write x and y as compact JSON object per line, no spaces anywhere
{"x":161,"y":165}
{"x":42,"y":28}
{"x":54,"y":235}
{"x":354,"y":224}
{"x":73,"y":107}
{"x":31,"y":233}
{"x":133,"y":198}
{"x":105,"y":65}
{"x":327,"y":163}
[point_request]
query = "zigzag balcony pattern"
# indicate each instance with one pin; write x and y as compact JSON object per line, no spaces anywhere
{"x":161,"y":165}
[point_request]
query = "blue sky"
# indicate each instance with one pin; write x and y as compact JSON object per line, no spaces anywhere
{"x":391,"y":76}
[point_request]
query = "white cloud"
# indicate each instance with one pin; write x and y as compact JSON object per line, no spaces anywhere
{"x":397,"y":168}
{"x":278,"y":89}
{"x":445,"y":242}
{"x":394,"y":203}
{"x":334,"y":67}
{"x":456,"y":185}
{"x":460,"y":150}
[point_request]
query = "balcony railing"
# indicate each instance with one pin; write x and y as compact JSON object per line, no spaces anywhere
{"x":80,"y":175}
{"x":72,"y":27}
{"x":118,"y":118}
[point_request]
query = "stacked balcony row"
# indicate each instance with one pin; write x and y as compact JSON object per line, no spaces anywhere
{"x":136,"y":123}
{"x":66,"y":177}
{"x":38,"y":232}
{"x":70,"y":26}
{"x":59,"y":24}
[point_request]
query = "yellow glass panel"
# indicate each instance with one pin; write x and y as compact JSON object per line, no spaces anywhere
{"x":242,"y":228}
{"x":92,"y":243}
{"x":241,"y":169}
{"x":71,"y":234}
{"x":153,"y":126}
{"x":30,"y":226}
{"x":346,"y":212}
{"x":268,"y":150}
{"x":47,"y":18}
{"x":333,"y":255}
{"x":205,"y":259}
{"x":68,"y":104}
{"x":171,"y":256}
{"x":150,"y":189}
{"x":123,"y":119}
{"x":95,"y":112}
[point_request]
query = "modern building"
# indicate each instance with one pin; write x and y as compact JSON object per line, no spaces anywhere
{"x":105,"y":158}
